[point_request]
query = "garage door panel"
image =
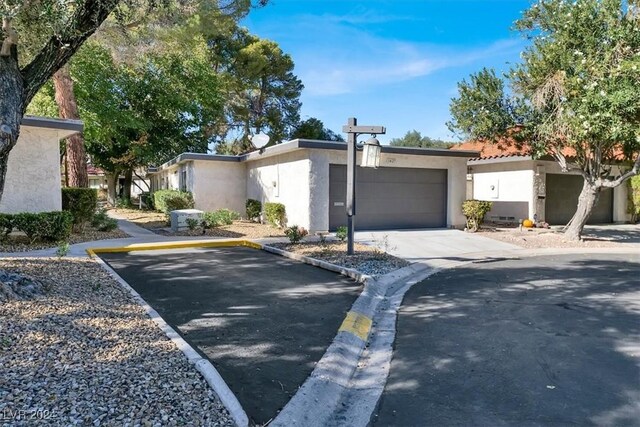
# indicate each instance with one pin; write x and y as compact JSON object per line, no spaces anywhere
{"x":562,"y":200}
{"x":390,"y":198}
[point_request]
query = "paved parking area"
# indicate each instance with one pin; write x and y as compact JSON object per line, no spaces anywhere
{"x":545,"y":341}
{"x":263,"y":320}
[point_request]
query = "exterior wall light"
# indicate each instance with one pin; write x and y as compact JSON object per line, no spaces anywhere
{"x":370,"y":158}
{"x":371,"y":153}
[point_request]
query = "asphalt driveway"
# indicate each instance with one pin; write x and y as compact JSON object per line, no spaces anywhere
{"x":545,"y":341}
{"x":262,"y":320}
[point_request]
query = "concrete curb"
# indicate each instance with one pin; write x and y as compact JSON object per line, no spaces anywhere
{"x":319,"y":401}
{"x":184,"y":244}
{"x":202,"y":365}
{"x":349,"y":272}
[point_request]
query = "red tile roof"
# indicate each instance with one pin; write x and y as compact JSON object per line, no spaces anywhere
{"x":94,"y":170}
{"x":508,"y":148}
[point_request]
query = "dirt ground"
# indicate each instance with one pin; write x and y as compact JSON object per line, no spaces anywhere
{"x":20,"y":243}
{"x":533,"y":238}
{"x":156,"y":222}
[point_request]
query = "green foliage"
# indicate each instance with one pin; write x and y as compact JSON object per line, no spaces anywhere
{"x":295,"y":233}
{"x":475,"y":210}
{"x":634,"y":198}
{"x":49,"y":226}
{"x":218,"y":218}
{"x":63,"y":249}
{"x":81,"y":202}
{"x":313,"y":128}
{"x":170,"y":200}
{"x":341,"y":233}
{"x":275,"y":214}
{"x":415,"y":139}
{"x":254,"y":209}
{"x":227,"y":216}
{"x":147,"y":200}
{"x":192,"y":223}
{"x":6,"y":225}
{"x":103,"y":222}
{"x":258,"y":76}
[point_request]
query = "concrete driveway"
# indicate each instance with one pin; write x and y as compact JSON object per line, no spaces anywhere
{"x":263,"y":320}
{"x":543,"y":341}
{"x":431,"y":245}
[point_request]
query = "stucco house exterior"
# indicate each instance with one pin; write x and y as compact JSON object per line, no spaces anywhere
{"x":521,"y":187}
{"x":413,"y":188}
{"x":32,"y":183}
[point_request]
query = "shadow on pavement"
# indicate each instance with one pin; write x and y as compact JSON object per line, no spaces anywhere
{"x":263,"y":320}
{"x":539,"y":341}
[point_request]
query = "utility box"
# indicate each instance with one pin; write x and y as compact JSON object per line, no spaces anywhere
{"x":179,"y":218}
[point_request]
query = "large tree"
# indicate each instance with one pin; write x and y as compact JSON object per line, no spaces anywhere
{"x":313,"y":128}
{"x":45,"y":34}
{"x":263,"y":93}
{"x":415,"y":139}
{"x":575,"y":96}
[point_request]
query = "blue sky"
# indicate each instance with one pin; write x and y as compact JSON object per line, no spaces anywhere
{"x":393,"y":63}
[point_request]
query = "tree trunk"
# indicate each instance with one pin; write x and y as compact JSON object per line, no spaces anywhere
{"x":112,"y":184}
{"x":68,"y":109}
{"x":586,"y":202}
{"x":128,"y":181}
{"x":11,"y":109}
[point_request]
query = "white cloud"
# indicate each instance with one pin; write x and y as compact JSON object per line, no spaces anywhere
{"x":334,"y":57}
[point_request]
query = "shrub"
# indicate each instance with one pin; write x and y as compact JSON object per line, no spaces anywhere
{"x":295,"y":233}
{"x":6,"y":225}
{"x":171,"y":200}
{"x":63,"y":249}
{"x":147,"y":200}
{"x":227,"y":216}
{"x":210,"y":220}
{"x":192,"y":223}
{"x":218,"y":218}
{"x":341,"y":233}
{"x":276,"y":214}
{"x":102,"y":222}
{"x":53,"y":226}
{"x":254,"y":208}
{"x":81,"y":202}
{"x":475,"y":210}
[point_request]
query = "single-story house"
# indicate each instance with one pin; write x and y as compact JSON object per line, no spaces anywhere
{"x":413,"y":188}
{"x":521,"y":187}
{"x":32,"y":183}
{"x":98,"y":180}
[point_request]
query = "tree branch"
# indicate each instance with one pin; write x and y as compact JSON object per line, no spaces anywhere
{"x":57,"y":51}
{"x":635,"y":170}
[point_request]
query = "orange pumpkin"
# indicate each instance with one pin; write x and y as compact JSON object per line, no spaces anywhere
{"x":527,"y":223}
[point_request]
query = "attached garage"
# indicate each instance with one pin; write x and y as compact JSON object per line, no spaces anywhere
{"x":390,"y":198}
{"x":562,"y":200}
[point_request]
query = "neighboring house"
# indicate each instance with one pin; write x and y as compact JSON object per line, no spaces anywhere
{"x":32,"y":183}
{"x":98,"y":180}
{"x":413,"y":188}
{"x":521,"y":187}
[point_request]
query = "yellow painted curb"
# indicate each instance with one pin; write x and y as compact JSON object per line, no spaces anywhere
{"x":356,"y":324}
{"x":175,"y":245}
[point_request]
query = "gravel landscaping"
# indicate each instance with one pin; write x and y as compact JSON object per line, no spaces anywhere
{"x":85,"y":353}
{"x":20,"y":243}
{"x":156,"y":222}
{"x":367,"y":259}
{"x":534,"y":238}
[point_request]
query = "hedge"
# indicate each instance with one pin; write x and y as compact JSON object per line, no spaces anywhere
{"x":171,"y":200}
{"x":81,"y":203}
{"x":276,"y":214}
{"x":51,"y":226}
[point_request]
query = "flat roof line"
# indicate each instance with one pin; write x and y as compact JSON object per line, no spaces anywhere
{"x":51,"y":123}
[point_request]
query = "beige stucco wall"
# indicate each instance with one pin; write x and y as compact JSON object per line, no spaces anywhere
{"x":218,"y":184}
{"x":32,"y":183}
{"x":284,"y":179}
{"x":525,"y":181}
{"x":319,"y":183}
